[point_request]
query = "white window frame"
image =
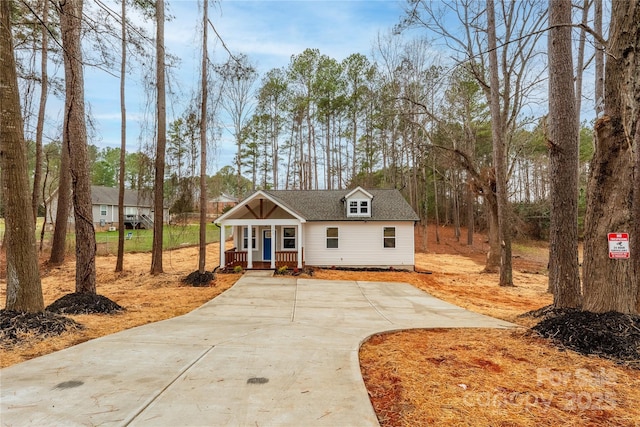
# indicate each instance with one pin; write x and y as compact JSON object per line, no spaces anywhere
{"x":391,"y":238}
{"x":362,"y":207}
{"x":336,"y":238}
{"x":285,"y":238}
{"x":245,"y":240}
{"x":103,"y":210}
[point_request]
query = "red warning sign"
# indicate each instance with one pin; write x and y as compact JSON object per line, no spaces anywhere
{"x":618,"y":245}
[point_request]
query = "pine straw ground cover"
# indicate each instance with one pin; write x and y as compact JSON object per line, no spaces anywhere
{"x":145,"y":298}
{"x":415,"y":378}
{"x":468,"y":377}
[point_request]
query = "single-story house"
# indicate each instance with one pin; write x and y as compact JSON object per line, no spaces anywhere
{"x":218,"y":204}
{"x":138,"y":208}
{"x":324,"y":228}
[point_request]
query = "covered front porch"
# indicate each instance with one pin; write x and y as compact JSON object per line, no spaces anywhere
{"x":266,"y":235}
{"x":233,"y":257}
{"x":263,"y":245}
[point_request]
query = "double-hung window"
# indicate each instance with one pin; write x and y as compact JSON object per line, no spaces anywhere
{"x":389,"y":237}
{"x":288,"y":238}
{"x":103,"y":210}
{"x":245,"y":238}
{"x":332,"y":237}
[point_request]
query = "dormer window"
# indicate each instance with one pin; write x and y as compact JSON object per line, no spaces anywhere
{"x":359,"y":208}
{"x":358,"y":203}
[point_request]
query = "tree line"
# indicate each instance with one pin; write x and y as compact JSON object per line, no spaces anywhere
{"x":474,"y":119}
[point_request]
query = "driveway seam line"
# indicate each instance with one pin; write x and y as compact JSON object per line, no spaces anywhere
{"x":155,"y":397}
{"x":371,"y":303}
{"x":295,"y":302}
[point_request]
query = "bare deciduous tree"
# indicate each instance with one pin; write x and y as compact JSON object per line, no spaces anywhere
{"x":499,"y":151}
{"x":44,"y":88}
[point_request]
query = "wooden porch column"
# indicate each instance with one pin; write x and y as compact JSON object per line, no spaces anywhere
{"x":299,"y":245}
{"x":273,"y":246}
{"x":222,"y":245}
{"x":250,"y":246}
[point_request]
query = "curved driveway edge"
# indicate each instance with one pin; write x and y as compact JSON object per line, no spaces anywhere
{"x":270,"y":351}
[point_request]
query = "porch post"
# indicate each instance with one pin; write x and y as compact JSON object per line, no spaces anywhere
{"x":299,"y":245}
{"x":249,"y":246}
{"x":273,"y":246}
{"x":222,"y":245}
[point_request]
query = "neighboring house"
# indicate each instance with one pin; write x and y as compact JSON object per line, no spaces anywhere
{"x":324,"y":228}
{"x":217,"y":205}
{"x":138,"y":210}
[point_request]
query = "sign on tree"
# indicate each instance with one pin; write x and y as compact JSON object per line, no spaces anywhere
{"x":618,"y":245}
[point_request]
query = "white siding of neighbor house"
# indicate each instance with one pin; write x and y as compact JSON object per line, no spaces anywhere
{"x":360,"y":244}
{"x":110,"y":217}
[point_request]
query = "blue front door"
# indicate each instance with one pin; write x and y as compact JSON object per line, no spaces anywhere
{"x":266,"y":245}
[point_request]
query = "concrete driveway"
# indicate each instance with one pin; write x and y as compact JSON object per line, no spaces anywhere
{"x":271,"y":351}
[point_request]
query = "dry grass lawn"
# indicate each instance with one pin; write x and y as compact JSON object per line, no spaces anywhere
{"x":415,"y":378}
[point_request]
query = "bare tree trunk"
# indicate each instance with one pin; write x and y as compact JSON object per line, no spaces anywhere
{"x":44,"y":88}
{"x":123,"y":140}
{"x":580,"y":64}
{"x":59,"y":242}
{"x":635,"y":236}
{"x":499,"y":152}
{"x":70,"y":24}
{"x":456,"y":204}
{"x":494,"y":254}
{"x":599,"y":59}
{"x":202,"y":253}
{"x":161,"y":145}
{"x":44,"y":201}
{"x":24,"y":289}
{"x":564,"y":275}
{"x":470,"y":218}
{"x":612,"y":284}
{"x":435,"y":205}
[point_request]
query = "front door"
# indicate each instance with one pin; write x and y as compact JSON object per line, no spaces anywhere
{"x":266,"y":245}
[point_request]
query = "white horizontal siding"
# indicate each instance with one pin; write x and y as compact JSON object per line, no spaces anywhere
{"x":360,"y":244}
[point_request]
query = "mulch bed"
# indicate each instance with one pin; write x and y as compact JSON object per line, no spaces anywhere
{"x":15,"y":325}
{"x":611,"y":335}
{"x":294,"y":271}
{"x":375,"y":269}
{"x":84,"y":303}
{"x":198,"y":279}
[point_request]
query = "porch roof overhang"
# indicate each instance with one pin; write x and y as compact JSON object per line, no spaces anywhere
{"x":254,"y":221}
{"x":232,"y":216}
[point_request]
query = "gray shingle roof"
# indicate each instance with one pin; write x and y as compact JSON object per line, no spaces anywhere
{"x":109,"y":196}
{"x":328,"y":205}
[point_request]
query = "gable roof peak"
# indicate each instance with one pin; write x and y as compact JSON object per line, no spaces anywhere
{"x":356,"y":190}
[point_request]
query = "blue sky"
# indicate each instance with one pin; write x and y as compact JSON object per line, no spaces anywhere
{"x":268,"y":31}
